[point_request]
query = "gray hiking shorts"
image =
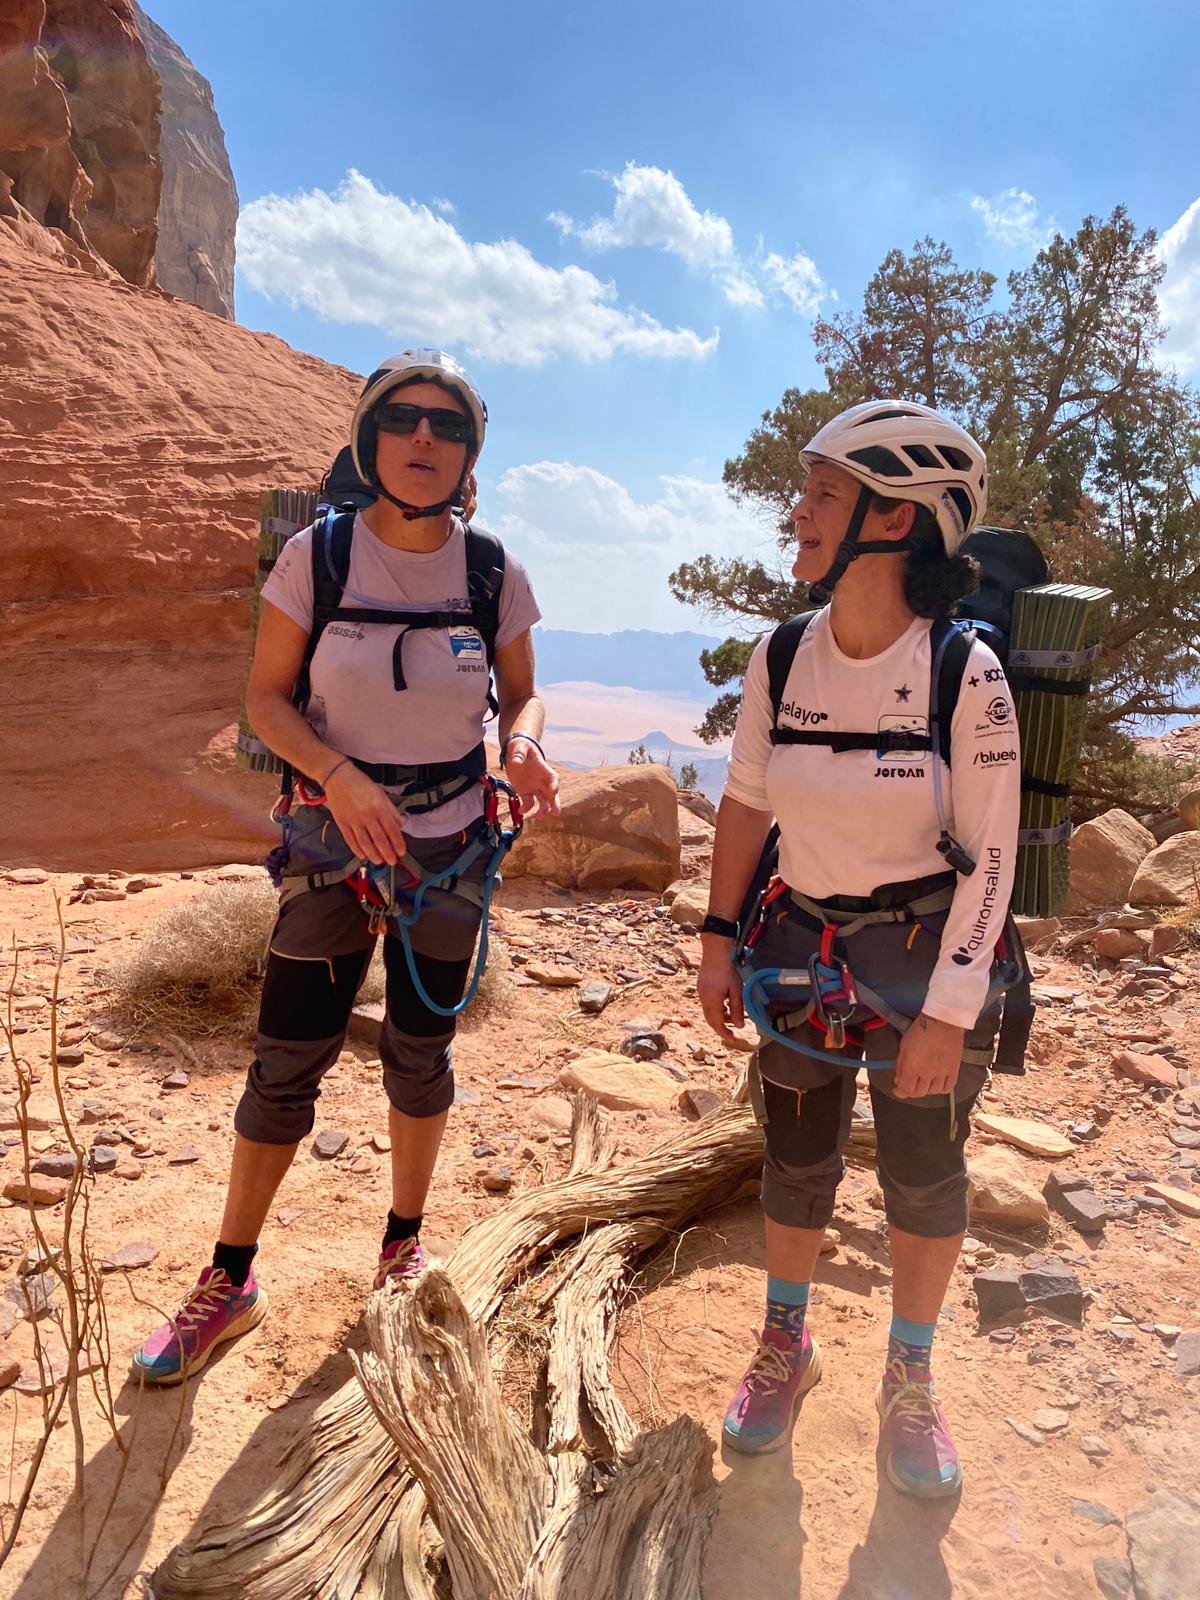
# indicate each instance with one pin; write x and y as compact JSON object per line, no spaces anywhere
{"x":320,"y":949}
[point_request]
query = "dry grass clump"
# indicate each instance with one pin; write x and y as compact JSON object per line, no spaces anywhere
{"x":197,"y":968}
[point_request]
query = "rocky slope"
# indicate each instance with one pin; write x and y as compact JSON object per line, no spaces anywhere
{"x":136,"y":436}
{"x":198,"y":208}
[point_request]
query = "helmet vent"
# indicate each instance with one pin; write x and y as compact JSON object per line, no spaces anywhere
{"x":958,"y":459}
{"x":963,"y":501}
{"x":894,"y":414}
{"x":878,"y":459}
{"x":921,"y":454}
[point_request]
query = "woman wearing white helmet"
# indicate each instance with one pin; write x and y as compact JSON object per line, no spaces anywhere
{"x":878,"y":942}
{"x":377,"y":694}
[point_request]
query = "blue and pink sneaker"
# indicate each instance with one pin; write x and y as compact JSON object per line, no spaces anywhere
{"x":400,"y":1262}
{"x":763,"y":1412}
{"x":214,"y":1312}
{"x":920,"y":1456}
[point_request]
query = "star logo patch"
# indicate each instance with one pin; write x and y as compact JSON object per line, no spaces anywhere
{"x":903,"y":693}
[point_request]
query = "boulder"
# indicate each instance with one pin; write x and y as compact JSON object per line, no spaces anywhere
{"x":690,"y":905}
{"x":198,"y":205}
{"x":1105,"y":854}
{"x":621,"y":1084}
{"x":1170,"y":874}
{"x":1189,"y":809}
{"x":699,"y":805}
{"x":1114,"y":944}
{"x":1154,"y":1072}
{"x":1164,"y":1546}
{"x":619,"y":828}
{"x":137,"y":434}
{"x":1001,"y":1191}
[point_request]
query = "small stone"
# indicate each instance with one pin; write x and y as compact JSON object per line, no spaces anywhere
{"x":1093,"y":1511}
{"x":36,"y":1260}
{"x":497,"y":1180}
{"x":28,"y":877}
{"x":175,"y":1080}
{"x":329,"y":1143}
{"x":1164,"y":1546}
{"x":1023,"y":1132}
{"x":288,"y":1215}
{"x":482,"y":1150}
{"x":644,"y":1046}
{"x":102,"y":1158}
{"x":364,"y":1164}
{"x":1049,"y":1419}
{"x":70,"y":1057}
{"x":1079,"y":1203}
{"x":1114,"y":1578}
{"x":44,"y":1379}
{"x":1024,"y":1431}
{"x":381,"y":1142}
{"x":93,"y":1111}
{"x":57,"y":1166}
{"x":552,"y":1112}
{"x":10,"y":1370}
{"x":1152,"y":1071}
{"x":138,"y":1253}
{"x":33,"y":1296}
{"x":1053,"y":1288}
{"x":696,"y":1102}
{"x":1096,"y":1448}
{"x":554,"y":975}
{"x":184,"y":1156}
{"x":41,"y":1191}
{"x":594,"y":996}
{"x":1184,"y":1138}
{"x":464,"y":1095}
{"x":127,"y":1169}
{"x":1178,"y":1199}
{"x":1187,"y":1354}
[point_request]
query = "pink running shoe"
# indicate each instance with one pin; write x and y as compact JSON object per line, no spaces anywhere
{"x":919,"y":1454}
{"x":400,"y":1262}
{"x":763,"y":1412}
{"x":214,"y":1312}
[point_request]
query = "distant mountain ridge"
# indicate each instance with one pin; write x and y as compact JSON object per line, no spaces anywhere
{"x":634,"y":658}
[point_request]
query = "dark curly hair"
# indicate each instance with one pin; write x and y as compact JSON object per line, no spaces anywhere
{"x":934,"y":582}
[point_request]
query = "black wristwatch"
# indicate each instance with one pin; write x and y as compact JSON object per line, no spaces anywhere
{"x":719,"y":925}
{"x":508,"y":737}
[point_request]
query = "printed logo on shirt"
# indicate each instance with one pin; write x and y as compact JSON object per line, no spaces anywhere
{"x":899,"y":772}
{"x":993,"y":758}
{"x":980,"y":930}
{"x":998,"y":711}
{"x":466,"y":643}
{"x":898,"y":723}
{"x":902,"y":694}
{"x":343,"y":631}
{"x":802,"y":714}
{"x":991,"y":675}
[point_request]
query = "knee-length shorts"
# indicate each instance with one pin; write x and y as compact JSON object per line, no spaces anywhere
{"x":319,"y":952}
{"x":806,"y":1104}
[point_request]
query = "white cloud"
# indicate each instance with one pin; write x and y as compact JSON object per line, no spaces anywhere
{"x":599,"y":558}
{"x":652,"y":209}
{"x":1012,"y":219}
{"x":362,"y":255}
{"x":1179,"y":294}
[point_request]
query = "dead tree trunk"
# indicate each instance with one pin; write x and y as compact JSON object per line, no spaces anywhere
{"x":420,"y":1432}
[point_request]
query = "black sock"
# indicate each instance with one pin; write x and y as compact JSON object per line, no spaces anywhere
{"x":235,"y":1259}
{"x":401,"y":1228}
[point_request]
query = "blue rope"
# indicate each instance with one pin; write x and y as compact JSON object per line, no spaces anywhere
{"x":504,"y":843}
{"x":752,"y":984}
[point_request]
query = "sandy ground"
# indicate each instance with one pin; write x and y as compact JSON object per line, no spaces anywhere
{"x":817,"y":1521}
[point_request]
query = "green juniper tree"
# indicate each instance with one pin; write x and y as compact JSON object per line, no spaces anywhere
{"x":1092,"y":446}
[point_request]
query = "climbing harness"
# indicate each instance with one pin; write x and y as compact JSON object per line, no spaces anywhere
{"x":396,"y":894}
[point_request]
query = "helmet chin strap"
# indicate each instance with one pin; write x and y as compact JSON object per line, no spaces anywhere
{"x":411,"y":512}
{"x":850,"y":548}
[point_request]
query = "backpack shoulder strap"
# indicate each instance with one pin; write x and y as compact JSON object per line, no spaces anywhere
{"x":953,"y":645}
{"x":485,"y":580}
{"x":781,"y":652}
{"x":332,"y":537}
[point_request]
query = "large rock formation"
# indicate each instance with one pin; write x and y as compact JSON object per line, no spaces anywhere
{"x":197,"y":212}
{"x":1105,"y":854}
{"x":79,"y":132}
{"x":136,"y":434}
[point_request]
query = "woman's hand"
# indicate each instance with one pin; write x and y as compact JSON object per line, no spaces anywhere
{"x":930,"y":1059}
{"x":535,"y":781}
{"x":369,"y":821}
{"x":719,"y":987}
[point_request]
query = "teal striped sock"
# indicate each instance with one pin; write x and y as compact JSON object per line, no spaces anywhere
{"x":910,"y":1342}
{"x":786,"y":1304}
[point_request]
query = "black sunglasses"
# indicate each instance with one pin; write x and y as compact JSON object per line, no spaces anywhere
{"x":452,"y":426}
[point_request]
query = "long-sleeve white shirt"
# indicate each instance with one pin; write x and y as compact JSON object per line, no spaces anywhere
{"x":852,"y":821}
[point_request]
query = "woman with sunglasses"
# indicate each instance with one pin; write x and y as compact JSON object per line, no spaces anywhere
{"x":841,"y":756}
{"x":416,"y":434}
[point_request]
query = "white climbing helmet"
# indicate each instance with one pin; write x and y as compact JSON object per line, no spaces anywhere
{"x":414,"y":366}
{"x":907,"y":451}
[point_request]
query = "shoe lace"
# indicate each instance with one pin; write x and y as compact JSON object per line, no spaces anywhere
{"x":769,"y":1369}
{"x":914,"y":1403}
{"x":204,"y":1301}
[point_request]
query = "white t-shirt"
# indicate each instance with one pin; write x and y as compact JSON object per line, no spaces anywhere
{"x":355,"y":707}
{"x":852,"y":821}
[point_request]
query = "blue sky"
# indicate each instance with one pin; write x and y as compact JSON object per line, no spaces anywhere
{"x":624,"y":217}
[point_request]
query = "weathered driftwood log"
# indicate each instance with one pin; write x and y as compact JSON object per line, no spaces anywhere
{"x":318,"y":1530}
